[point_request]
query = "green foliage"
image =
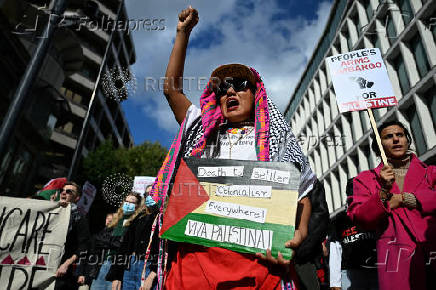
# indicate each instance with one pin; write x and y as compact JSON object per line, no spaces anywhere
{"x":141,"y":160}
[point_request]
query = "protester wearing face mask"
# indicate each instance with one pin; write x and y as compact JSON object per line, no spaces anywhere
{"x":128,"y":208}
{"x":133,"y":247}
{"x":118,"y":225}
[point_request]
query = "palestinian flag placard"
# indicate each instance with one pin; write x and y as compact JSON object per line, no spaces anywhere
{"x":244,"y":206}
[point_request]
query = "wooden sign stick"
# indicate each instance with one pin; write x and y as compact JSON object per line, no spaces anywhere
{"x":377,"y":136}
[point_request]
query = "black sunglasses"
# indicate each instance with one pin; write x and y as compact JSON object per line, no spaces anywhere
{"x":236,"y":83}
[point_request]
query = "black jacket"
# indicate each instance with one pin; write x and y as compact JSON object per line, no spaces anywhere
{"x":135,"y":240}
{"x":101,"y":245}
{"x":311,"y":247}
{"x":78,"y":236}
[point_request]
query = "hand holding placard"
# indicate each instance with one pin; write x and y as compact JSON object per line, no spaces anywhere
{"x":244,"y":206}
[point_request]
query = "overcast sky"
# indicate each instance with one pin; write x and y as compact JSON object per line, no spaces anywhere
{"x":275,"y":37}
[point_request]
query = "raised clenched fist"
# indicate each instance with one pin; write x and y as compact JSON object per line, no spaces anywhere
{"x":188,"y":18}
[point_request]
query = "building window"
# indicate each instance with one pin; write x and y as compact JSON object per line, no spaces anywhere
{"x":368,"y":9}
{"x":338,"y":181}
{"x":69,"y":94}
{"x":89,"y":73}
{"x":336,"y":47}
{"x":77,"y":98}
{"x":321,"y":121}
{"x":433,"y":27}
{"x":430,"y":99}
{"x":315,"y":124}
{"x":94,"y":47}
{"x":349,"y":41}
{"x":89,"y":141}
{"x":420,"y":55}
{"x":355,"y":161}
{"x":367,"y":151}
{"x":97,"y":111}
{"x":391,"y":32}
{"x":77,"y":128}
{"x":68,"y":128}
{"x":377,"y":114}
{"x":375,"y":40}
{"x":51,"y":121}
{"x":406,"y":11}
{"x":356,"y":23}
{"x":365,"y":125}
{"x":347,"y":116}
{"x":339,"y":126}
{"x":416,"y":129}
{"x":400,"y":68}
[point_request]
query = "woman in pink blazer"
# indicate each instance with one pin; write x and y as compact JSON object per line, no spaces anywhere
{"x":398,"y":201}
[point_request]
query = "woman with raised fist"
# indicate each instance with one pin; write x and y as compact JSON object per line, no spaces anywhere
{"x":236,"y":121}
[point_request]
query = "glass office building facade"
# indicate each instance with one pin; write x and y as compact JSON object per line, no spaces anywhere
{"x":338,"y":145}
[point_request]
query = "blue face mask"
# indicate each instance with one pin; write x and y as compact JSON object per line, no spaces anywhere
{"x":128,"y":207}
{"x":149,"y":201}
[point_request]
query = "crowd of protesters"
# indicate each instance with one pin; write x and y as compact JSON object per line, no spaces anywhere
{"x":113,"y":258}
{"x":382,"y":239}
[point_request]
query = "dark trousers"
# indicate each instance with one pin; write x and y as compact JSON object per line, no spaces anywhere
{"x":67,"y":282}
{"x":307,"y":275}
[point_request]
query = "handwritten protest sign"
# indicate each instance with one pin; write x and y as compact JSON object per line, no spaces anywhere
{"x":141,"y":183}
{"x":244,"y":206}
{"x":360,"y":80}
{"x":88,"y":195}
{"x":32,"y":237}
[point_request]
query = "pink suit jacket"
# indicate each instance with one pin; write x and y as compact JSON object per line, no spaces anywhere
{"x":406,"y":238}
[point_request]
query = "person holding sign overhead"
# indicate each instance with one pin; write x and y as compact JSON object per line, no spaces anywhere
{"x":236,"y":121}
{"x":398,"y":201}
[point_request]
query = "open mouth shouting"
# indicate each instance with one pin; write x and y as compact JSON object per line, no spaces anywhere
{"x":232,"y":104}
{"x":237,"y":106}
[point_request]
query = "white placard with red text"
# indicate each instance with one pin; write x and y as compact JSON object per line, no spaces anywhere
{"x":360,"y":80}
{"x":141,"y":183}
